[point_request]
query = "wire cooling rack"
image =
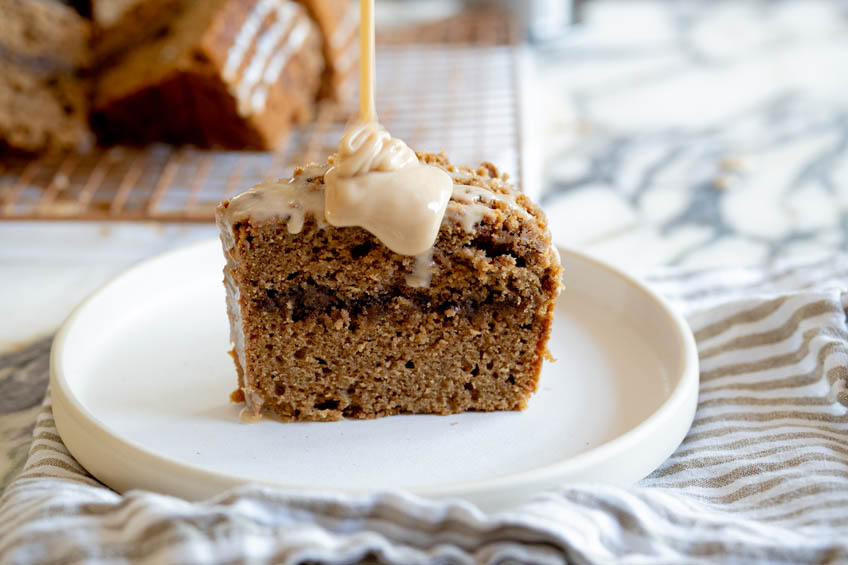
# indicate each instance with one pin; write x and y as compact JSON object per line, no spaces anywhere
{"x":451,"y":85}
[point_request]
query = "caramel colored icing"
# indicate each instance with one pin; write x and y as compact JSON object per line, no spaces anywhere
{"x":367,"y":147}
{"x":377,"y":183}
{"x":290,"y":200}
{"x":302,"y":196}
{"x":422,"y":271}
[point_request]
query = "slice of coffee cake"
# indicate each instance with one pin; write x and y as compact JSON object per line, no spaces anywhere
{"x":328,"y":322}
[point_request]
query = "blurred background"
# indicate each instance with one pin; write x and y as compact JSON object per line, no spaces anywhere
{"x":711,"y":133}
{"x":654,"y":133}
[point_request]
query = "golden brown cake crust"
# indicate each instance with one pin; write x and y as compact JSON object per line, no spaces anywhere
{"x":325,"y":324}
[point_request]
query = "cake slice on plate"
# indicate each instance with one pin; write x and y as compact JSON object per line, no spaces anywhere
{"x":328,"y":322}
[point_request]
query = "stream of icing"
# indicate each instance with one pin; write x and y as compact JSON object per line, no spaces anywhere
{"x":376,"y":181}
{"x":367,"y":62}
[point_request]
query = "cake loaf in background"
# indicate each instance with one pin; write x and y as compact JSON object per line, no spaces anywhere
{"x":339,"y":23}
{"x":234,"y":74}
{"x":44,"y":56}
{"x":217,"y":73}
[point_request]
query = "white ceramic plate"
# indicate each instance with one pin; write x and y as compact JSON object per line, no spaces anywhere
{"x":141,"y":377}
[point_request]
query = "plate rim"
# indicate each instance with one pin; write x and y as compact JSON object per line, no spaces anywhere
{"x":682,"y":398}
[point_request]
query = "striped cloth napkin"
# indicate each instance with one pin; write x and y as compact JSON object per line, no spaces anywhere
{"x":761,"y":477}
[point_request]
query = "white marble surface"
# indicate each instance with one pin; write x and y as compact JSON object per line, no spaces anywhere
{"x":698,"y":133}
{"x":683,"y":133}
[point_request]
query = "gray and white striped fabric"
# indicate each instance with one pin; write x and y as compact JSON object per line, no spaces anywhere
{"x":761,"y":477}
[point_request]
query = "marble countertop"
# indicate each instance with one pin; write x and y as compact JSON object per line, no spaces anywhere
{"x":674,"y":133}
{"x":698,"y":133}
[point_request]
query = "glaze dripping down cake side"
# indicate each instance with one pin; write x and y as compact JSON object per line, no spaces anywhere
{"x":328,"y":322}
